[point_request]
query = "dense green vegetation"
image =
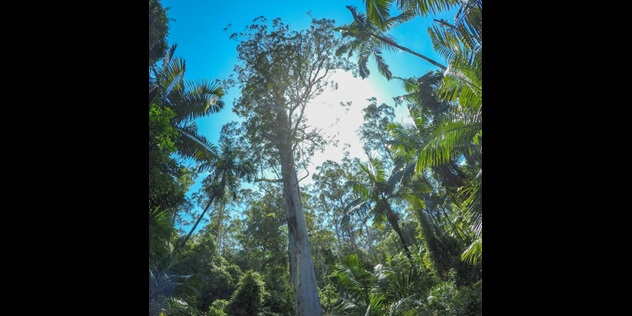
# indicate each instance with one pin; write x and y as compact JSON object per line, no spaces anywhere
{"x":397,"y":232}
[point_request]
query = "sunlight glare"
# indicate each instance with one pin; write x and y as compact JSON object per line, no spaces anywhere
{"x":339,"y":122}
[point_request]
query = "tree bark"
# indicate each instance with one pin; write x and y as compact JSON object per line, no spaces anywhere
{"x":302,"y":274}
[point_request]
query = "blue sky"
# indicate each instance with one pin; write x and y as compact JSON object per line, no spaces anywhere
{"x":198,"y":30}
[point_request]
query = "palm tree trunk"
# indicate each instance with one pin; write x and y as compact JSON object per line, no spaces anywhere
{"x":392,"y":43}
{"x":393,"y":219}
{"x":371,"y":244}
{"x":337,"y":229}
{"x":338,"y":239}
{"x":220,"y":226}
{"x":180,"y":245}
{"x":352,"y":240}
{"x":433,"y":246}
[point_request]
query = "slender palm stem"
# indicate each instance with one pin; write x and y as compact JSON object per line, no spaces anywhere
{"x":181,"y":244}
{"x":394,"y":44}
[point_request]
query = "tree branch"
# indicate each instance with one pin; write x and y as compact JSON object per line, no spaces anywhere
{"x":268,"y":180}
{"x":307,"y":175}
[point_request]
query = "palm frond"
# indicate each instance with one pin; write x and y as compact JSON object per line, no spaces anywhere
{"x":468,"y":36}
{"x":355,"y":205}
{"x":352,"y":276}
{"x":158,"y":215}
{"x":366,"y":171}
{"x":382,"y":67}
{"x":407,"y":306}
{"x":160,"y":223}
{"x":170,"y":53}
{"x":362,"y":66}
{"x":171,"y":77}
{"x":385,"y":41}
{"x":451,"y":137}
{"x":409,"y":84}
{"x":461,"y":45}
{"x":199,"y":99}
{"x":194,"y":145}
{"x":358,"y":18}
{"x":415,"y":201}
{"x":189,"y":100}
{"x":444,"y":43}
{"x":401,"y":174}
{"x":375,"y":170}
{"x":474,"y":253}
{"x":426,"y":7}
{"x":376,"y":305}
{"x":472,"y":204}
{"x":378,"y":12}
{"x":343,"y":307}
{"x":360,"y":207}
{"x":399,"y":19}
{"x":471,"y":17}
{"x":405,"y":139}
{"x":456,"y":86}
{"x":162,"y":282}
{"x":345,"y":48}
{"x":463,"y":81}
{"x":469,"y":67}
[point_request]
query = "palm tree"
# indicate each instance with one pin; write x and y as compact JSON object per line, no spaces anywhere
{"x":440,"y":137}
{"x":460,"y":133}
{"x":223,"y":180}
{"x":190,"y":101}
{"x":370,"y":38}
{"x":457,"y":133}
{"x":462,"y":45}
{"x":376,"y":193}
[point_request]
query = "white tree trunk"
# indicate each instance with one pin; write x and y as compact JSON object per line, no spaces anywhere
{"x":303,"y":277}
{"x":302,"y":274}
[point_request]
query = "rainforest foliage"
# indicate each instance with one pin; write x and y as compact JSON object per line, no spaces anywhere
{"x":396,"y":232}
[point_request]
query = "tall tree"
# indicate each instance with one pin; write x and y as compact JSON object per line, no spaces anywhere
{"x":281,"y":71}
